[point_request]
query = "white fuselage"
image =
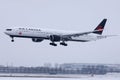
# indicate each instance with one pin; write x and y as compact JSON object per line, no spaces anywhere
{"x":38,"y":35}
{"x":45,"y":33}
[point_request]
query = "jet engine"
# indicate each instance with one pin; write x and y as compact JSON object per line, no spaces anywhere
{"x":55,"y":38}
{"x":37,"y":39}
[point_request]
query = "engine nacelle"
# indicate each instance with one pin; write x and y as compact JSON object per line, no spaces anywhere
{"x":55,"y":38}
{"x":37,"y":39}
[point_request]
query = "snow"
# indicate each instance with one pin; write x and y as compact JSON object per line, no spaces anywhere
{"x":96,"y":77}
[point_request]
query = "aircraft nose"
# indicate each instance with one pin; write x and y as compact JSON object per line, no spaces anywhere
{"x":6,"y":32}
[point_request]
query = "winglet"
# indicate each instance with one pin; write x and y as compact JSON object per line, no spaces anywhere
{"x":100,"y":27}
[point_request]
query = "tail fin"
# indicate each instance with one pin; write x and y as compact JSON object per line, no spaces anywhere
{"x":100,"y":27}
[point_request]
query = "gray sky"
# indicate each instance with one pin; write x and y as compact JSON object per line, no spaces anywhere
{"x":73,"y":15}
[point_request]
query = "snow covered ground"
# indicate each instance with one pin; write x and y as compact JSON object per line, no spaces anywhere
{"x":96,"y":77}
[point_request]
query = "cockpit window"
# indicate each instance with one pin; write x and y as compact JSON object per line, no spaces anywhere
{"x":8,"y":29}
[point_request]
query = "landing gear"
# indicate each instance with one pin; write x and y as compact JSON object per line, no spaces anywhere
{"x":12,"y":39}
{"x":53,"y":44}
{"x":63,"y":43}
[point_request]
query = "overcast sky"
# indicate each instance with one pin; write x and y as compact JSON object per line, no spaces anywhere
{"x":73,"y":15}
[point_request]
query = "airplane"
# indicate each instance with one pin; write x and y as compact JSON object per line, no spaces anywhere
{"x":38,"y":35}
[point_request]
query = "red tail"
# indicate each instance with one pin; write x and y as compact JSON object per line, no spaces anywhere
{"x":100,"y":27}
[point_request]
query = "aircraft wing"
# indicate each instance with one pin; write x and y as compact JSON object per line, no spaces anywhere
{"x":98,"y":30}
{"x":83,"y":33}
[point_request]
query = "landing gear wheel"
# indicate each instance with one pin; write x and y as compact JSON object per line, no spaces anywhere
{"x":12,"y":40}
{"x":64,"y":44}
{"x":53,"y":44}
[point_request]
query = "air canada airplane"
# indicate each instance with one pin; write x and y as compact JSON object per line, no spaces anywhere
{"x":38,"y":35}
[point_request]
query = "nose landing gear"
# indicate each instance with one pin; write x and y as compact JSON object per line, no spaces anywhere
{"x":12,"y":39}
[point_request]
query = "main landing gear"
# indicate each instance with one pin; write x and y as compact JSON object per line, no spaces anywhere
{"x":53,"y":44}
{"x":63,"y":43}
